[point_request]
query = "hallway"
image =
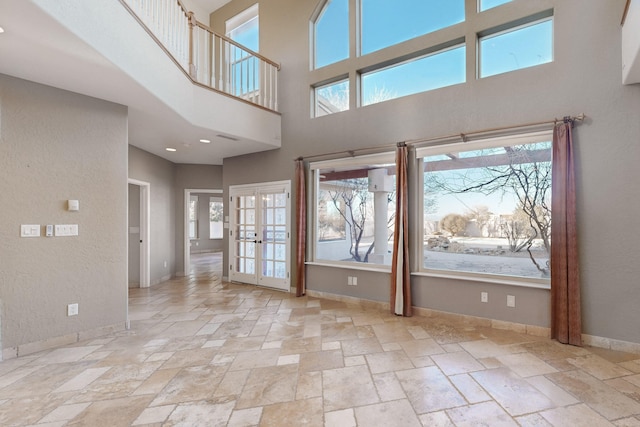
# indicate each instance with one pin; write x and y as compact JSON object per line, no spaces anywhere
{"x":205,"y":353}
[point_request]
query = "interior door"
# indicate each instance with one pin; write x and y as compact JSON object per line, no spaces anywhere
{"x":260,"y":234}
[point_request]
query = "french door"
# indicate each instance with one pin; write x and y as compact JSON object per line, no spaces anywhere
{"x":259,"y":234}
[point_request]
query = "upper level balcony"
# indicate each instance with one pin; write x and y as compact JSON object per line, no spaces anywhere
{"x":180,"y":80}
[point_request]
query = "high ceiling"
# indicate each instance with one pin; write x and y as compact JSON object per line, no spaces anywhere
{"x":36,"y":47}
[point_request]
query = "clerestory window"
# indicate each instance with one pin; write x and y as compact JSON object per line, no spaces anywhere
{"x":331,"y":33}
{"x":385,"y":23}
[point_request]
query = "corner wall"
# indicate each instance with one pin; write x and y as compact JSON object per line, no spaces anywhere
{"x":160,"y":174}
{"x":54,"y":146}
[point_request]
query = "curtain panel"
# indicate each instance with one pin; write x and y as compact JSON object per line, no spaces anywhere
{"x":400,"y":299}
{"x":566,"y":325}
{"x":301,"y":227}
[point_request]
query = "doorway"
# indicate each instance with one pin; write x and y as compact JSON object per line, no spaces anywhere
{"x":191,"y":223}
{"x":259,"y":234}
{"x":138,"y":233}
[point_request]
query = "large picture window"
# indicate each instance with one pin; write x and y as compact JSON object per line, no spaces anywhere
{"x":354,"y":209}
{"x":216,"y":218}
{"x":487,"y":207}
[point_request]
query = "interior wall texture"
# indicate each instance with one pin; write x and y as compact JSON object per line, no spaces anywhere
{"x":134,"y":236}
{"x":160,"y":174}
{"x":191,"y":177}
{"x":584,"y":77}
{"x":55,"y":146}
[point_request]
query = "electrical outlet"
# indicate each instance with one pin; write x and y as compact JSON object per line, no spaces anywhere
{"x":484,"y":296}
{"x":511,"y":301}
{"x":72,"y":309}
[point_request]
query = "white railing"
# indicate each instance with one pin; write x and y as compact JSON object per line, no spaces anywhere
{"x":208,"y":58}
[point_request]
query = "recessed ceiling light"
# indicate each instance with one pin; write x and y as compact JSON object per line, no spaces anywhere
{"x":1,"y":30}
{"x":205,"y":141}
{"x":170,"y":149}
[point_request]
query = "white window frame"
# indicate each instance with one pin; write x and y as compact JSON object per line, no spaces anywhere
{"x":214,"y":199}
{"x":314,"y":170}
{"x":194,"y":222}
{"x":479,"y":144}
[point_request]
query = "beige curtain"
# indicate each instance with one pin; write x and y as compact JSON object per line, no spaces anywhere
{"x":400,"y":300}
{"x":566,"y":325}
{"x":301,"y":227}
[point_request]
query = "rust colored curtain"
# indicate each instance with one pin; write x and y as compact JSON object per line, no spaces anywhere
{"x":400,"y":300}
{"x":566,"y":325}
{"x":301,"y":227}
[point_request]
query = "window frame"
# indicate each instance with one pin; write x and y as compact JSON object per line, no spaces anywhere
{"x":194,"y":222}
{"x":512,"y":27}
{"x":314,"y":172}
{"x":333,"y":82}
{"x":419,"y":245}
{"x":216,"y":199}
{"x":418,"y":56}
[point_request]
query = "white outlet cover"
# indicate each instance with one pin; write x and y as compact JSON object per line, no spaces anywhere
{"x":511,"y":301}
{"x":72,"y":309}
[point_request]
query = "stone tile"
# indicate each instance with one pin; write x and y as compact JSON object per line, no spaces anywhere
{"x":396,"y":413}
{"x":436,"y":419}
{"x":348,"y":387}
{"x":388,"y":362}
{"x":360,"y":346}
{"x":232,"y":384}
{"x":66,"y":355}
{"x":156,"y":414}
{"x":321,"y":360}
{"x":200,"y":414}
{"x":266,"y":386}
{"x":190,"y":384}
{"x":599,"y":367}
{"x":156,"y":381}
{"x":532,"y":420}
{"x":342,"y":418}
{"x":255,"y":359}
{"x":485,"y":348}
{"x":469,"y":388}
{"x":388,"y":387}
{"x":428,"y":390}
{"x":552,"y":391}
{"x":423,"y":347}
{"x":577,"y":415}
{"x":486,"y":413}
{"x":82,"y":380}
{"x":297,"y":413}
{"x":114,"y":412}
{"x":245,"y":417}
{"x":309,"y":385}
{"x":526,"y":365}
{"x":64,"y":413}
{"x":604,"y":399}
{"x":513,"y":393}
{"x":456,"y":363}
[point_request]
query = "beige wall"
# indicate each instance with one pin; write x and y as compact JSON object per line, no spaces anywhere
{"x":54,"y":146}
{"x":160,"y":174}
{"x":584,"y":78}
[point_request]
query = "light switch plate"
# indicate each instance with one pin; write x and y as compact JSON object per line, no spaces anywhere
{"x":30,"y":230}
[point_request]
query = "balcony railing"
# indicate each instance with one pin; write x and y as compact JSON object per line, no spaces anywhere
{"x":209,"y":59}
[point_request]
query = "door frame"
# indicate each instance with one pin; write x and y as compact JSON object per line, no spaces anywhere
{"x":257,"y":189}
{"x":145,"y":221}
{"x":186,"y":240}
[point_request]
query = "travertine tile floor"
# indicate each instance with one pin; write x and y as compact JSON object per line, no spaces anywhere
{"x":205,"y":353}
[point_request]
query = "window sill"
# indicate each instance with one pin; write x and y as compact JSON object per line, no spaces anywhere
{"x":537,"y":284}
{"x":351,"y":266}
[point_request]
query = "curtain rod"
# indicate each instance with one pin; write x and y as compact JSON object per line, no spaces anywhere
{"x":461,"y":136}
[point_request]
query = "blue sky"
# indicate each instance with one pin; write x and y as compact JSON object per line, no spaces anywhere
{"x":385,"y":23}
